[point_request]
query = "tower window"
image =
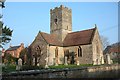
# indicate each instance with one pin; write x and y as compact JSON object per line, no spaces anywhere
{"x":79,"y":52}
{"x":55,"y":20}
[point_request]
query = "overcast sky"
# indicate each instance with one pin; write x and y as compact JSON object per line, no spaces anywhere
{"x":28,"y":18}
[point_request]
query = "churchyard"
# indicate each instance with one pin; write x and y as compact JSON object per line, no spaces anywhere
{"x":13,"y":68}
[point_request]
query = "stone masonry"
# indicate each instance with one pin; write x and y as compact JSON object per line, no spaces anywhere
{"x":81,"y":47}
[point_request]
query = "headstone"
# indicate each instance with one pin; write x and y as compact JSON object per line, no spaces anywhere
{"x":66,"y":61}
{"x":19,"y":66}
{"x":95,"y":62}
{"x":46,"y":63}
{"x":102,"y":60}
{"x":53,"y":61}
{"x":38,"y":64}
{"x":98,"y":61}
{"x":78,"y":63}
{"x":56,"y":64}
{"x":46,"y":66}
{"x":20,"y":62}
{"x":108,"y":59}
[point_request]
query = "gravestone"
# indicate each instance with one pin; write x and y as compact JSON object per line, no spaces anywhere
{"x":108,"y":59}
{"x":66,"y":61}
{"x":95,"y":62}
{"x":46,"y":63}
{"x":56,"y":64}
{"x":111,"y":61}
{"x":98,"y":61}
{"x":78,"y":63}
{"x":19,"y":66}
{"x":53,"y":61}
{"x":102,"y":61}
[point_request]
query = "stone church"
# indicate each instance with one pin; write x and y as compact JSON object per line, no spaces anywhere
{"x":62,"y":46}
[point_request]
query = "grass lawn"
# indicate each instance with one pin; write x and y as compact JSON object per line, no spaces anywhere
{"x":70,"y":66}
{"x":9,"y":68}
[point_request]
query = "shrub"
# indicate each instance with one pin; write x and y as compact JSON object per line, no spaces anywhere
{"x":9,"y":68}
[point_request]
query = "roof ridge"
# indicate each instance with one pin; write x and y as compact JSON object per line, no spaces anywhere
{"x":81,"y":30}
{"x":44,"y":32}
{"x":15,"y":46}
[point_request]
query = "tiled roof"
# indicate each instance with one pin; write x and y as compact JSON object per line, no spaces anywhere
{"x":72,"y":39}
{"x":114,"y":48}
{"x":51,"y":39}
{"x":79,"y":38}
{"x":13,"y":48}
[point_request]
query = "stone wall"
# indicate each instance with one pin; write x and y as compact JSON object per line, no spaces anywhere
{"x":98,"y":57}
{"x":87,"y":53}
{"x":39,"y":44}
{"x":52,"y":55}
{"x":103,"y":71}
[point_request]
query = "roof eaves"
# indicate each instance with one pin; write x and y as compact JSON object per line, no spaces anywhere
{"x":56,"y":45}
{"x":93,"y":34}
{"x":76,"y":45}
{"x":13,"y":48}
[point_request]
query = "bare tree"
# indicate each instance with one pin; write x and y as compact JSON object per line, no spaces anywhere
{"x":39,"y":51}
{"x":105,"y":41}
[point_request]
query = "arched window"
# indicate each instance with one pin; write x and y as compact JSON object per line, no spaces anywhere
{"x":56,"y":52}
{"x":79,"y":52}
{"x":66,"y":52}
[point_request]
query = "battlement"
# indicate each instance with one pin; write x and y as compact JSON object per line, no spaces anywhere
{"x":61,"y":7}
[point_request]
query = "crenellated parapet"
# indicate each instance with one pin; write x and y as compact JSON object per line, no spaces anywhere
{"x":61,"y":7}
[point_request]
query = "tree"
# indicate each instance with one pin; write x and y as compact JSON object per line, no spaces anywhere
{"x":26,"y":56}
{"x":38,"y":52}
{"x":5,"y":34}
{"x":105,"y":41}
{"x":29,"y":56}
{"x":23,"y":55}
{"x":9,"y":59}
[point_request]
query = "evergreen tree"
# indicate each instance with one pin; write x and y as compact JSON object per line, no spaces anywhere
{"x":5,"y":34}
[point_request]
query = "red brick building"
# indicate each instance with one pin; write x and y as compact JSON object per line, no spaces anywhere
{"x":15,"y":50}
{"x":3,"y":52}
{"x":114,"y":51}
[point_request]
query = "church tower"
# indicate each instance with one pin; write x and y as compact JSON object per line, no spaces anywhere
{"x":60,"y":21}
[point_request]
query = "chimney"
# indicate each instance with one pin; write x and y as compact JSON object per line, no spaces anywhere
{"x":22,"y":44}
{"x":10,"y":45}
